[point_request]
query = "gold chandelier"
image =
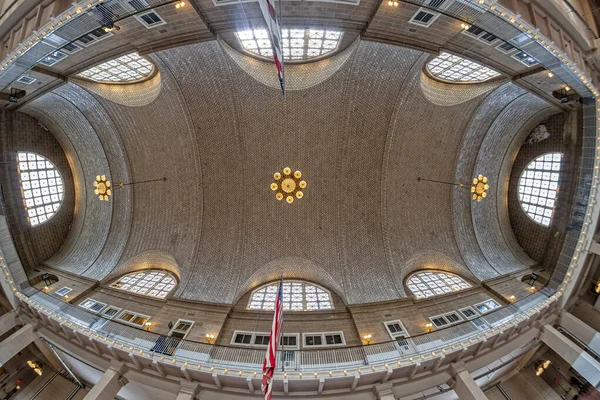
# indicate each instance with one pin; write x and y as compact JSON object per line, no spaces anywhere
{"x":102,"y":187}
{"x":479,"y":187}
{"x":288,"y":185}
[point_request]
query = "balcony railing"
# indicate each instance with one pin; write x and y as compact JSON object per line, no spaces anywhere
{"x":162,"y":347}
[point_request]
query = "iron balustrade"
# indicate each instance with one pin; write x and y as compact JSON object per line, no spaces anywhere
{"x":158,"y":346}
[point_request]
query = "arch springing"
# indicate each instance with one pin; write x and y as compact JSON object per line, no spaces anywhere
{"x":153,"y":283}
{"x":434,"y":283}
{"x":297,"y":296}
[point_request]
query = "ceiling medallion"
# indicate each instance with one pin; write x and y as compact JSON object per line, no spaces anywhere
{"x":288,"y":185}
{"x":479,"y":187}
{"x":102,"y":187}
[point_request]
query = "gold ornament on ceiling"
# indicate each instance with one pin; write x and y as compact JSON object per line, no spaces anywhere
{"x":479,"y":187}
{"x":102,"y":187}
{"x":288,"y":185}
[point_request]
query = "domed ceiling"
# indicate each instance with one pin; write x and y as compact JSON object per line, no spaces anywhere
{"x":359,"y":126}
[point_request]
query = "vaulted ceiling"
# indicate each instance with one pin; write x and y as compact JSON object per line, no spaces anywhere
{"x":361,"y":126}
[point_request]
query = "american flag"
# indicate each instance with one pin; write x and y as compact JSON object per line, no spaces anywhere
{"x":270,"y":357}
{"x":268,"y":12}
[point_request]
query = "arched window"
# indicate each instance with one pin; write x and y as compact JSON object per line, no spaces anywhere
{"x":297,"y":296}
{"x":433,"y":283}
{"x":451,"y":68}
{"x":298,"y":44}
{"x":538,"y":187}
{"x":129,"y":68}
{"x":154,"y":283}
{"x":41,"y":187}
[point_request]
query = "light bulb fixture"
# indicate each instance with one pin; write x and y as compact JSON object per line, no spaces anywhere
{"x":550,"y":74}
{"x":512,"y":298}
{"x":465,"y":26}
{"x":102,"y":187}
{"x":479,"y":187}
{"x":567,"y":88}
{"x":148,"y":325}
{"x":210,"y":339}
{"x":289,"y":185}
{"x":540,"y":366}
{"x":546,"y":364}
{"x":179,"y":4}
{"x":597,"y":289}
{"x":429,"y":327}
{"x":367,"y":338}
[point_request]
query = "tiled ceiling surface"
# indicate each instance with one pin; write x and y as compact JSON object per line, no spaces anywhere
{"x":361,"y":138}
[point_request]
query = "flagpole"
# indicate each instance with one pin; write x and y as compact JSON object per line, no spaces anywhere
{"x":282,"y":68}
{"x":281,"y":327}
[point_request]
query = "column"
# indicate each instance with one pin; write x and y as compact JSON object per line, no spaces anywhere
{"x":581,"y":331}
{"x":109,"y":384}
{"x":16,"y":342}
{"x":8,"y":321}
{"x":384,"y":391}
{"x":581,"y":361}
{"x":464,"y":386}
{"x":188,"y":390}
{"x":48,"y":354}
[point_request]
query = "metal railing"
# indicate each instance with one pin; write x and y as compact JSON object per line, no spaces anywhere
{"x":203,"y":354}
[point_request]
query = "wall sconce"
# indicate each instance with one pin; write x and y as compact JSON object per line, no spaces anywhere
{"x":210,"y":339}
{"x":148,"y":325}
{"x":597,"y":289}
{"x":429,"y":327}
{"x":512,"y":298}
{"x":532,"y":289}
{"x":45,"y":289}
{"x":66,"y":298}
{"x":367,"y":339}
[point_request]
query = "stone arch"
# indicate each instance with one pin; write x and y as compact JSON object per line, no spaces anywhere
{"x":434,"y":260}
{"x":150,"y":259}
{"x":292,"y":268}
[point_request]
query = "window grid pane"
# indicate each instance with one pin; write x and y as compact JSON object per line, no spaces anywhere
{"x":297,"y":44}
{"x":297,"y":296}
{"x":451,"y":68}
{"x":42,"y":187}
{"x":125,"y":69}
{"x":150,"y":283}
{"x":431,"y":283}
{"x":538,"y":187}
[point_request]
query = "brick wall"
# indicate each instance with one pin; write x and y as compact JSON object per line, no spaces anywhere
{"x":20,"y":132}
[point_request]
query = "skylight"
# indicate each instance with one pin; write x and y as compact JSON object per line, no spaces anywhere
{"x":538,"y":187}
{"x":125,"y":69}
{"x":298,"y":44}
{"x":41,"y":187}
{"x":451,"y":68}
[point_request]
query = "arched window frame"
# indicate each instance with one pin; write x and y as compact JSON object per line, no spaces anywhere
{"x":446,"y":282}
{"x":42,"y":188}
{"x":451,"y":68}
{"x":295,"y":298}
{"x":299,"y":44}
{"x":125,"y":283}
{"x":126,"y":69}
{"x":539,"y":186}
